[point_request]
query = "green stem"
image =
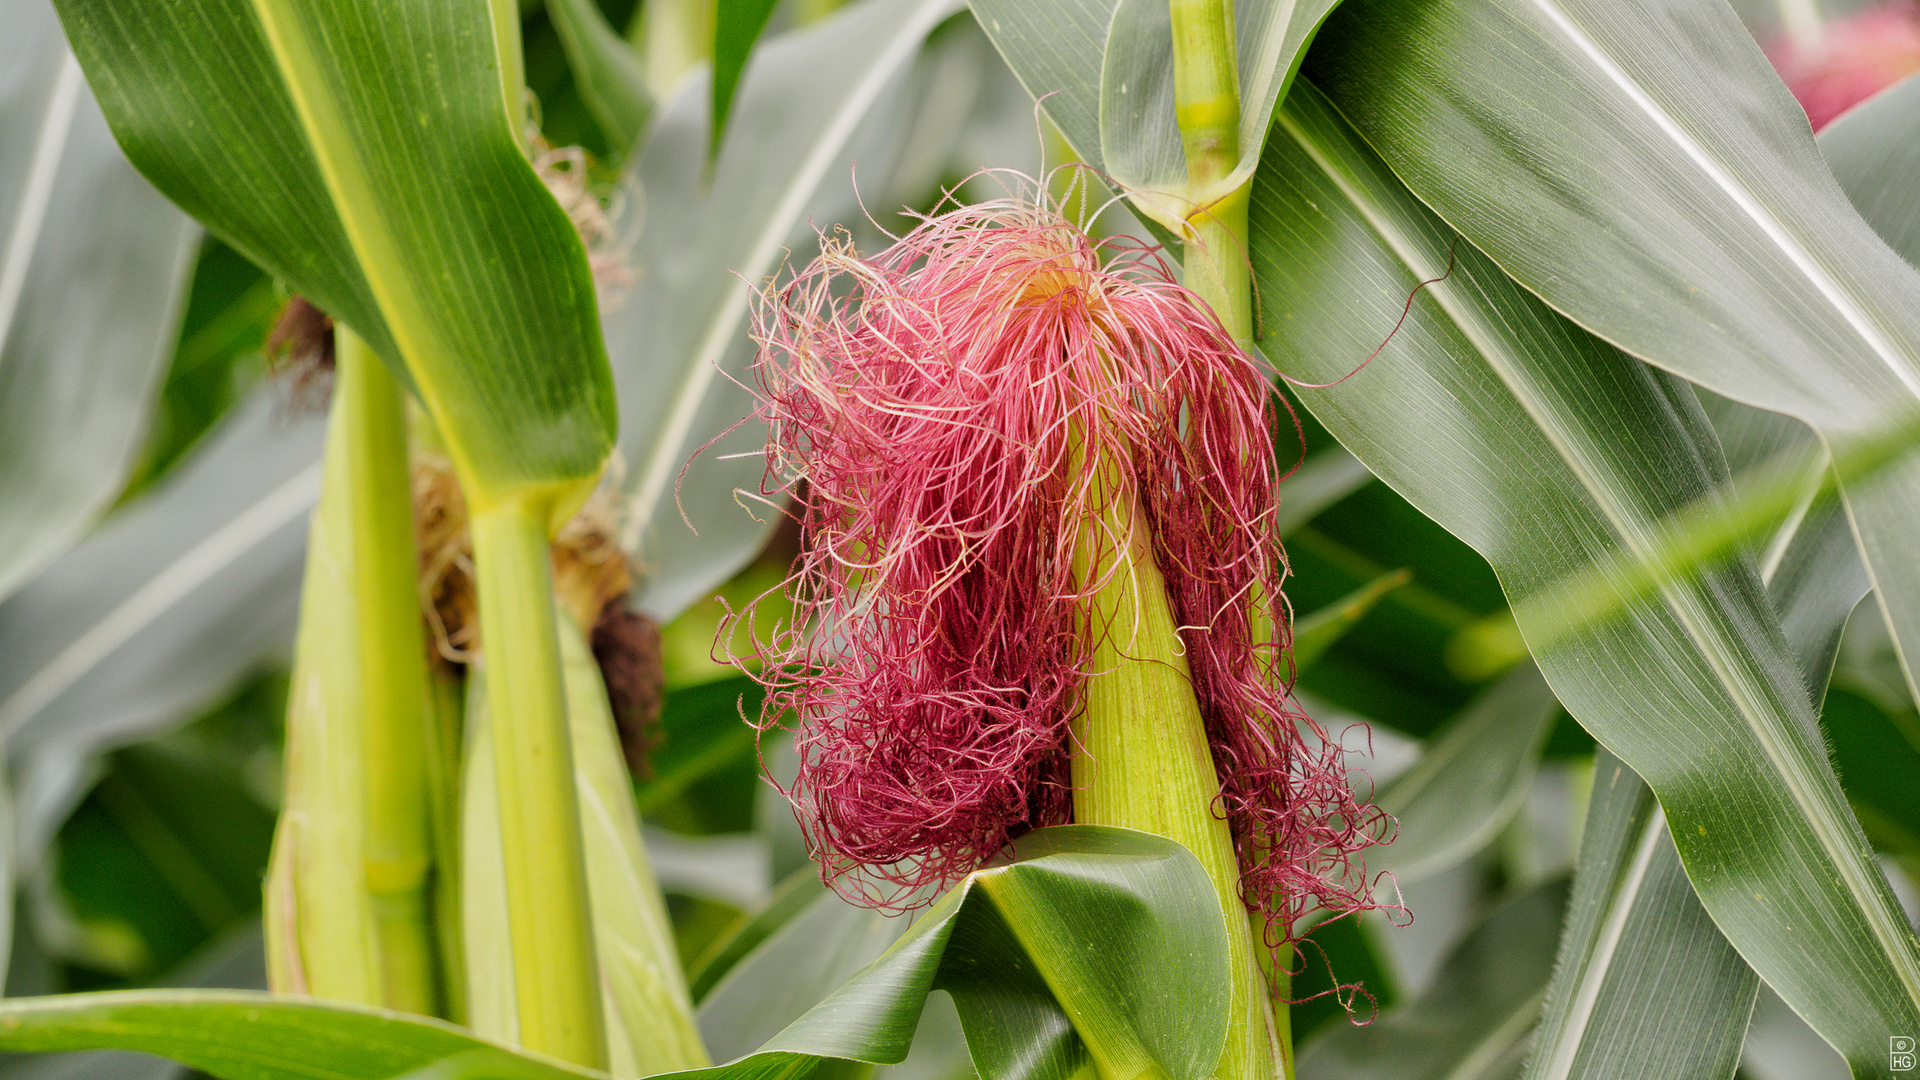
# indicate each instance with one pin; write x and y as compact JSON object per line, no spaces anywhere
{"x":396,"y":717}
{"x":1141,"y":758}
{"x":1279,"y":982}
{"x":557,"y":984}
{"x":1206,"y":96}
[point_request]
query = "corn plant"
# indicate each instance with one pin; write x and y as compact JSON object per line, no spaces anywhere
{"x":1349,"y":561}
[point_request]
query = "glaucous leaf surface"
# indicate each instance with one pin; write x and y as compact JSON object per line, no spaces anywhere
{"x":1474,"y":1022}
{"x":93,"y":271}
{"x":1119,"y":115}
{"x":1642,"y":169}
{"x":1120,"y":924}
{"x":1645,"y":985}
{"x":815,"y":102}
{"x":1545,"y":448}
{"x":1140,"y":135}
{"x":157,"y":612}
{"x":1470,"y":781}
{"x":295,"y":131}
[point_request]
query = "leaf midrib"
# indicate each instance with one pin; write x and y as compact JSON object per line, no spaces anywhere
{"x":1569,"y":1036}
{"x":193,"y":568}
{"x":1749,"y":205}
{"x":1802,"y":789}
{"x":30,"y":213}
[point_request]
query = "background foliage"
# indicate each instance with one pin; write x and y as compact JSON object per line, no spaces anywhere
{"x":1546,"y":407}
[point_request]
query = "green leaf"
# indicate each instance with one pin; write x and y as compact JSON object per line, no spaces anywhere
{"x":800,"y":891}
{"x":1470,"y":782}
{"x":608,"y":72}
{"x":1576,"y":452}
{"x":1117,"y":111}
{"x":1664,"y":192}
{"x":1117,"y":926}
{"x":93,"y":272}
{"x":306,"y":145}
{"x":814,"y":102}
{"x":1139,"y":137}
{"x":794,"y":967}
{"x":158,"y":612}
{"x":237,"y":1035}
{"x":1645,"y":984}
{"x":1314,"y":634}
{"x":1873,"y":151}
{"x":1473,"y":1023}
{"x":737,"y":24}
{"x":1877,"y":757}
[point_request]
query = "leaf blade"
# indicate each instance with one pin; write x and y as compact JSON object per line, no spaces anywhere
{"x":1713,"y":650}
{"x":1686,"y":179}
{"x":93,"y":270}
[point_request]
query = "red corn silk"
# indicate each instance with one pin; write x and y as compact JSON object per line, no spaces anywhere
{"x":936,"y":398}
{"x":1852,"y":59}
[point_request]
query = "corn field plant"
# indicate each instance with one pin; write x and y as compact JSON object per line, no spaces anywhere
{"x":1201,"y":539}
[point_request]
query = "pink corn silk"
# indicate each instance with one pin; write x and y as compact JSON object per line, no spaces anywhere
{"x":930,"y":397}
{"x":1855,"y":57}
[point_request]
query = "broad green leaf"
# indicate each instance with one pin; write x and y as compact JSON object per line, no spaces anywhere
{"x":1121,"y":925}
{"x":1472,"y":779}
{"x":235,"y":960}
{"x":1139,"y":134}
{"x":1666,"y":194}
{"x":1317,"y":632}
{"x":607,"y":70}
{"x":93,"y":272}
{"x":737,"y":24}
{"x":237,"y":1035}
{"x":1055,"y":51}
{"x":1117,"y":923}
{"x":1545,"y":448}
{"x":158,"y":612}
{"x":1878,"y":758}
{"x":1474,"y":1022}
{"x":373,"y":158}
{"x":793,"y":968}
{"x":814,"y":102}
{"x":1645,"y":984}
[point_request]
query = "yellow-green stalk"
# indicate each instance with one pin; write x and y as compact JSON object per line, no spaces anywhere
{"x":349,"y":912}
{"x":1206,"y":95}
{"x":555,"y":974}
{"x":1141,"y":757}
{"x":649,"y":1013}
